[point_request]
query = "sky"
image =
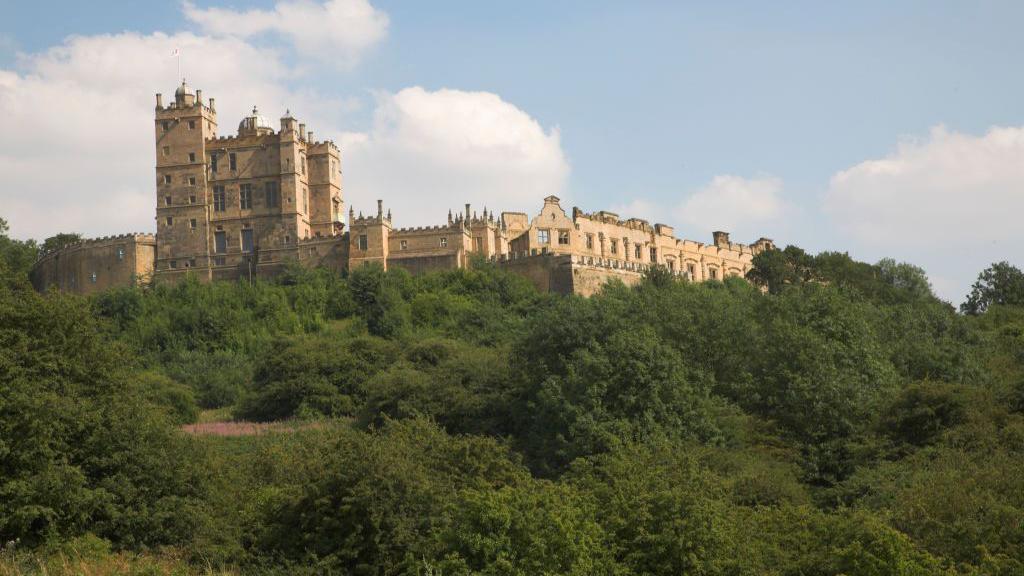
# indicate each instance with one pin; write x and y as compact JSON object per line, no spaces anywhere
{"x":883,"y":129}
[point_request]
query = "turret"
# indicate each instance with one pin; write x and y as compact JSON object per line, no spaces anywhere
{"x":721,"y":239}
{"x":183,"y":96}
{"x":181,"y":132}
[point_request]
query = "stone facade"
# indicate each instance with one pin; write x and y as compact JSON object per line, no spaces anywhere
{"x":602,"y":236}
{"x":245,"y":206}
{"x":95,"y":265}
{"x":240,"y":205}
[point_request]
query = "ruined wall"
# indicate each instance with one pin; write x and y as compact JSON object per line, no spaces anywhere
{"x":423,"y":264}
{"x":589,"y":279}
{"x":327,"y":252}
{"x":94,"y":265}
{"x":548,"y":272}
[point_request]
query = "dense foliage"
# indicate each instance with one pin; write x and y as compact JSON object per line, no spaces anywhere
{"x":842,"y":421}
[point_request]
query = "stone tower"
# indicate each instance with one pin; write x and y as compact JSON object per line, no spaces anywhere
{"x":239,"y":206}
{"x":182,"y":220}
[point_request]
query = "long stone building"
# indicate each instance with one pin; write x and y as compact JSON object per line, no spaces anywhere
{"x":244,"y":206}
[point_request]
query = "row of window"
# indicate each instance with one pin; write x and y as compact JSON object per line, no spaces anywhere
{"x":220,"y":241}
{"x":192,"y":223}
{"x":190,"y":180}
{"x":363,"y":243}
{"x":168,"y":200}
{"x":191,"y":155}
{"x":232,"y":162}
{"x":166,"y":125}
{"x":544,"y":237}
{"x":271,"y":196}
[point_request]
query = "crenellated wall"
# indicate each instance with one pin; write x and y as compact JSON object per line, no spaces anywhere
{"x":251,"y":204}
{"x":94,"y":265}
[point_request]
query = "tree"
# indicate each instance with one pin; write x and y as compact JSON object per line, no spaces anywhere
{"x":16,"y":258}
{"x":379,"y":299}
{"x":999,"y":284}
{"x":60,"y":241}
{"x":81,"y":447}
{"x":907,"y":278}
{"x":775,"y":269}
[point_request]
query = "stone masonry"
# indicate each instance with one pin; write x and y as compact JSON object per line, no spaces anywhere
{"x":244,"y":206}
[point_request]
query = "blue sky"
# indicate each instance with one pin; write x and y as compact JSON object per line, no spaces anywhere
{"x":878,"y":128}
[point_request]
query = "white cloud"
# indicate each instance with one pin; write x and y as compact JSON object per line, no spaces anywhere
{"x":337,"y":31}
{"x":428,"y":151}
{"x":733,"y":204}
{"x":77,"y":149}
{"x":951,"y":202}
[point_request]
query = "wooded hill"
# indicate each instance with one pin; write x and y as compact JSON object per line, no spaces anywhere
{"x":845,"y":422}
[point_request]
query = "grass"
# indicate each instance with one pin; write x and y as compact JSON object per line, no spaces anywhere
{"x":92,"y":556}
{"x":222,"y":414}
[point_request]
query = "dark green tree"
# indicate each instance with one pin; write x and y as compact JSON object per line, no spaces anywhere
{"x":776,"y":269}
{"x":16,"y":258}
{"x":999,"y":284}
{"x":59,"y":241}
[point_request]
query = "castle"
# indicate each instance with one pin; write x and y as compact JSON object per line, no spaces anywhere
{"x":244,"y":206}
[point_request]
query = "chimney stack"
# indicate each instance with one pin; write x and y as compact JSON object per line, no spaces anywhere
{"x":380,"y":208}
{"x":159,"y":100}
{"x":302,"y":131}
{"x":199,"y":97}
{"x":211,"y":105}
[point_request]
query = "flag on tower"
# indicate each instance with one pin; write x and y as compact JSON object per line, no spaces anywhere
{"x":176,"y":52}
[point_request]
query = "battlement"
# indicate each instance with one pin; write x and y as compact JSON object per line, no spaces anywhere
{"x":273,"y":191}
{"x":137,"y":237}
{"x":428,"y":229}
{"x":322,"y":147}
